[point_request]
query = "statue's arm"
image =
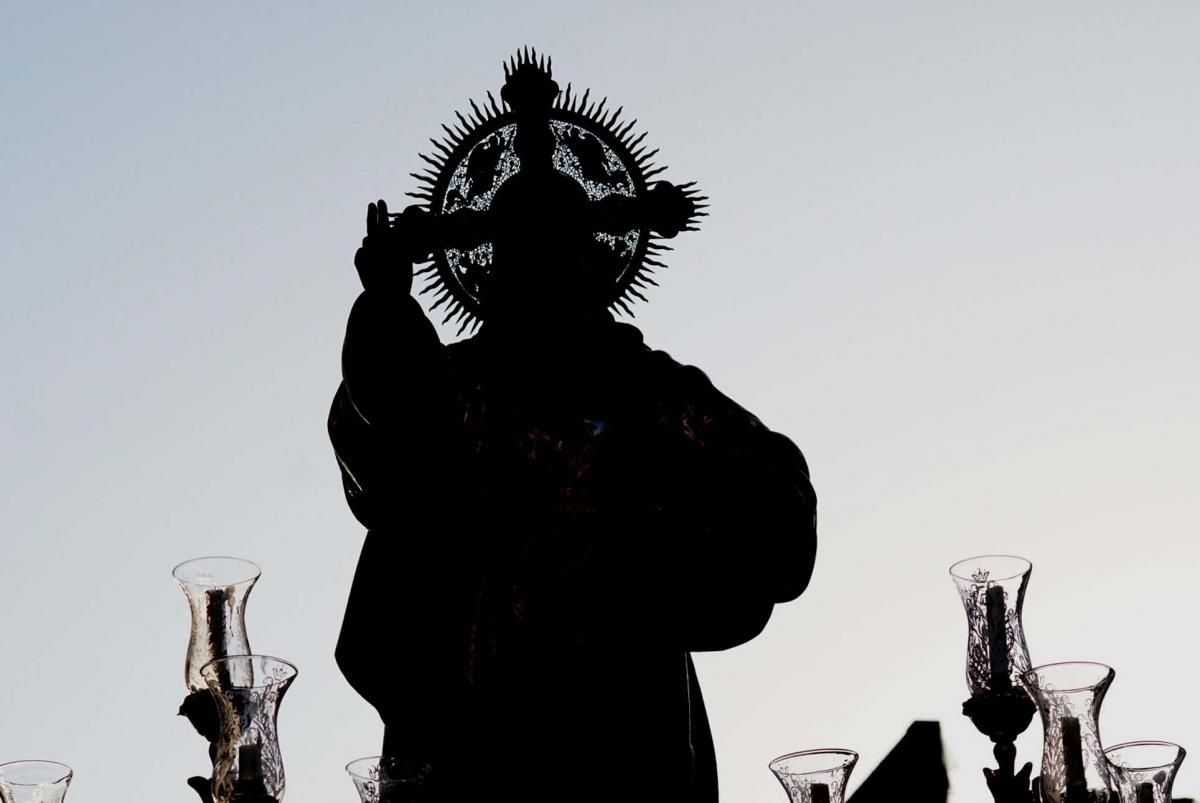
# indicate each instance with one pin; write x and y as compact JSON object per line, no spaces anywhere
{"x":392,"y":405}
{"x":736,"y":533}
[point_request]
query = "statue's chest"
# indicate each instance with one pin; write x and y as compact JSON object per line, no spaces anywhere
{"x":542,"y":454}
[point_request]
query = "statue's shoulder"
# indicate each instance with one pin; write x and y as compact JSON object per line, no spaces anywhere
{"x":684,"y":392}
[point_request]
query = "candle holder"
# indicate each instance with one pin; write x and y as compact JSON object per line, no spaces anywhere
{"x":34,"y":781}
{"x":216,"y":590}
{"x":1068,"y":696}
{"x":1143,"y":772}
{"x":992,"y":590}
{"x":248,"y":689}
{"x":387,"y":780}
{"x":815,"y":776}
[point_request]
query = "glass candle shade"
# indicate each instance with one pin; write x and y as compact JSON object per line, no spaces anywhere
{"x":1068,"y":697}
{"x":992,"y":589}
{"x":34,"y":781}
{"x":216,"y":590}
{"x":383,"y":780}
{"x":248,"y":690}
{"x":1143,"y":772}
{"x":815,"y":776}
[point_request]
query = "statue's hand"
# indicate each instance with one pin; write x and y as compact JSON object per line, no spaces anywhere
{"x":384,"y":261}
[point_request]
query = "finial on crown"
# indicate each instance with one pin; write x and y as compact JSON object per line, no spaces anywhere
{"x":528,"y":85}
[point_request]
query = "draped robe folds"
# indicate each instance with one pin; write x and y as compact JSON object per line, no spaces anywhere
{"x":552,"y":532}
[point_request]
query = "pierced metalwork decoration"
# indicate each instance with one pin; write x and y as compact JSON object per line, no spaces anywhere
{"x":595,"y":147}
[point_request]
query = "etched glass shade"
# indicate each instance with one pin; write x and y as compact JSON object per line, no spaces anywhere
{"x":216,"y":590}
{"x":815,"y":776}
{"x":1068,"y":696}
{"x":992,"y":589}
{"x":1143,"y":772}
{"x":383,"y":780}
{"x":34,"y":781}
{"x":248,"y":690}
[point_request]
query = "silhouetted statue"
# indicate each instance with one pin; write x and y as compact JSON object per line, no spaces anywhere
{"x":558,"y":515}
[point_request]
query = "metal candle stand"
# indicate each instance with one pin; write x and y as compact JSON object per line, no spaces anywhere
{"x":1002,"y":716}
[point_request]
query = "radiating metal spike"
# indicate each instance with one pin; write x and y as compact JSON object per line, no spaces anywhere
{"x":435,"y":162}
{"x":654,"y":171}
{"x":549,"y":67}
{"x":689,"y":184}
{"x":624,"y":132}
{"x":600,"y":108}
{"x":583,"y":103}
{"x":637,"y":141}
{"x":442,"y":299}
{"x":423,"y":196}
{"x":654,"y":262}
{"x":495,"y":108}
{"x":648,"y":156}
{"x":463,"y":120}
{"x":633,"y":291}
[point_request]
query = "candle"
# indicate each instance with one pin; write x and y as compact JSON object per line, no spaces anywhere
{"x":997,"y":639}
{"x":820,"y":793}
{"x":216,"y":603}
{"x":1075,"y":784}
{"x":249,"y":759}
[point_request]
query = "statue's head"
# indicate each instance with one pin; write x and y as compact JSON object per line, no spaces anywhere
{"x":545,"y":206}
{"x":546,"y":262}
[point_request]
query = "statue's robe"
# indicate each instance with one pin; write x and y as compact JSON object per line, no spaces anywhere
{"x":552,"y":531}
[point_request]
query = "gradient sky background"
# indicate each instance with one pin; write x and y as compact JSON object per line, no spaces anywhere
{"x":952,"y":253}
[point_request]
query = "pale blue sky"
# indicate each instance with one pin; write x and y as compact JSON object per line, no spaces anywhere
{"x":952,"y":254}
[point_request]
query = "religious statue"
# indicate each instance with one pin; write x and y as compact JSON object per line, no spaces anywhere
{"x":558,"y":515}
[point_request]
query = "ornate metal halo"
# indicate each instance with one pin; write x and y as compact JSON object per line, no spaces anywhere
{"x":591,"y":145}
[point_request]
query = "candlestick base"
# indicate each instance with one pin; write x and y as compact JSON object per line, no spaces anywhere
{"x":1002,"y":716}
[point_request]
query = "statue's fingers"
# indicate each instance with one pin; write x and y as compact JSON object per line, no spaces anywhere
{"x":383,"y":212}
{"x":372,"y":219}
